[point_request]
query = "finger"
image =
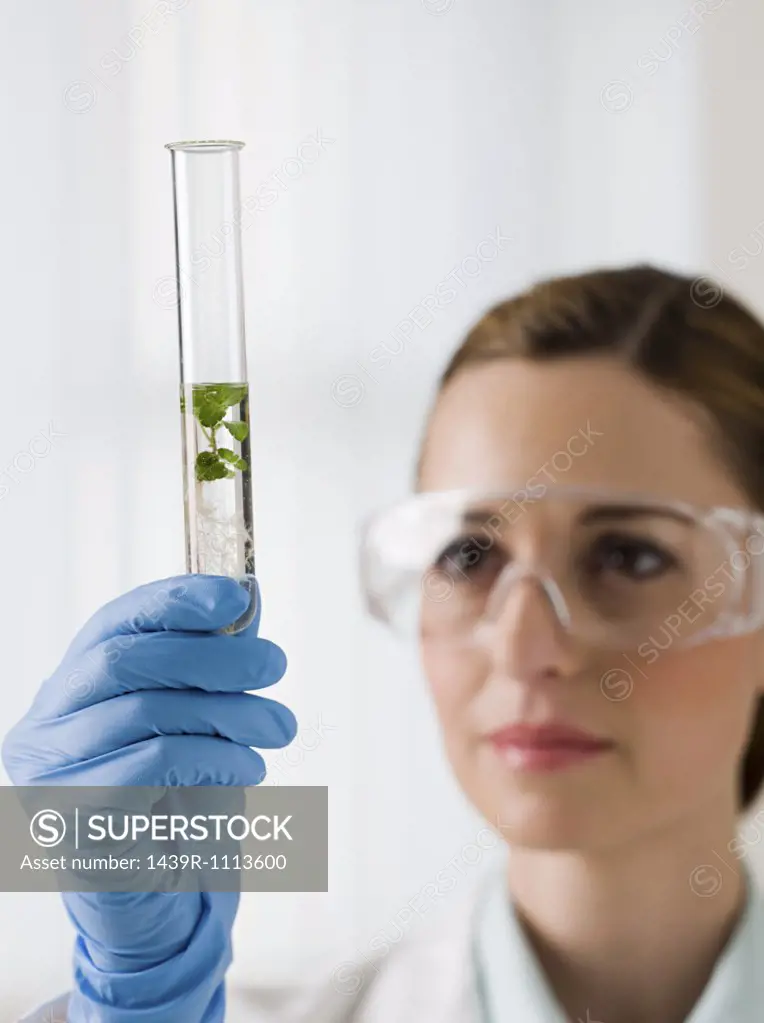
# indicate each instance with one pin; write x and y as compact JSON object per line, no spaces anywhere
{"x":246,"y":719}
{"x":255,"y":608}
{"x":186,"y":603}
{"x":165,"y":760}
{"x":160,"y":660}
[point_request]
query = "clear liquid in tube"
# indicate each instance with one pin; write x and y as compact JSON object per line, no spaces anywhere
{"x":217,"y":479}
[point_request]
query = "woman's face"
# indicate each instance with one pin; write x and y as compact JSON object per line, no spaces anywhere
{"x":675,"y":727}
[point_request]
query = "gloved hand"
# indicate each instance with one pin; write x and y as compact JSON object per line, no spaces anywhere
{"x":149,"y":694}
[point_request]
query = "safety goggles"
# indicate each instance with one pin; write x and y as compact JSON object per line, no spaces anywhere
{"x":615,"y":568}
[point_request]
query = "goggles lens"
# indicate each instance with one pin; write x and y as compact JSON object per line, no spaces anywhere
{"x":615,"y":569}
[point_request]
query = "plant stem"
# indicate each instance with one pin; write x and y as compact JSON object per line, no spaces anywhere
{"x":211,"y":436}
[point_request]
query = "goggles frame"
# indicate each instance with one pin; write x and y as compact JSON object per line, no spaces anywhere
{"x":733,"y":526}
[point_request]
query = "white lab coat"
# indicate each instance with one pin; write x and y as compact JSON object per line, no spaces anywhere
{"x":470,"y":963}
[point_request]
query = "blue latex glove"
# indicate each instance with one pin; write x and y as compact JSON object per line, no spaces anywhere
{"x":149,"y":694}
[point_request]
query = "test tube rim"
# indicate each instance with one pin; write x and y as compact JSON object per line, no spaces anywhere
{"x":204,"y":145}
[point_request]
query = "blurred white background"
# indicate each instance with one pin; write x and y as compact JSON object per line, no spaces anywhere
{"x":585,"y":134}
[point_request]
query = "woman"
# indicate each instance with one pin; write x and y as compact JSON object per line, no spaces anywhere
{"x":581,"y":560}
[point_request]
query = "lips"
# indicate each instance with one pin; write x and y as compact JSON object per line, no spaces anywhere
{"x":546,"y":747}
{"x":545,"y":736}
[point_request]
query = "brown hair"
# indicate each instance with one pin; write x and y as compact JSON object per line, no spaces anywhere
{"x":681,"y":333}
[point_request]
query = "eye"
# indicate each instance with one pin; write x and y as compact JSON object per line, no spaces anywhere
{"x":469,"y":559}
{"x":627,"y":556}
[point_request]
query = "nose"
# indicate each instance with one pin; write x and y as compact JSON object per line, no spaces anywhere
{"x":527,"y":631}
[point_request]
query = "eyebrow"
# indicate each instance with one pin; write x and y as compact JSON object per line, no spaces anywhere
{"x":597,"y":513}
{"x":631,"y":511}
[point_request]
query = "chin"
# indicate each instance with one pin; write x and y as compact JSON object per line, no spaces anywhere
{"x":548,"y":812}
{"x":545,"y":821}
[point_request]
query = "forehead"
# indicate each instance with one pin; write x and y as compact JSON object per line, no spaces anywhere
{"x":582,"y":421}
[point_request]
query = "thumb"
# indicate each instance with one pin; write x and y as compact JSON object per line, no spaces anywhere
{"x":249,"y":621}
{"x":187,"y":603}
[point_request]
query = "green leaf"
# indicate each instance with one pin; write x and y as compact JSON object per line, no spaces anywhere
{"x":212,"y":400}
{"x":199,"y":395}
{"x":210,"y":414}
{"x":232,"y":394}
{"x":205,"y":395}
{"x":209,"y":467}
{"x":232,"y":458}
{"x":221,"y":394}
{"x":238,"y":430}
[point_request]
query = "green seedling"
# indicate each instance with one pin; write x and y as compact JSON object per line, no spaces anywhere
{"x":211,"y":403}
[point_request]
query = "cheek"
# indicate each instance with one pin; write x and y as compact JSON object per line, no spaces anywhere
{"x":454,"y":678}
{"x":688,"y":720}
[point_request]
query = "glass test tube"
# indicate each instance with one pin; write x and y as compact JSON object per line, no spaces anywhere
{"x":214,"y":392}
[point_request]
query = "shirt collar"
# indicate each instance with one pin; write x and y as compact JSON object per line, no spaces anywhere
{"x":511,"y":984}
